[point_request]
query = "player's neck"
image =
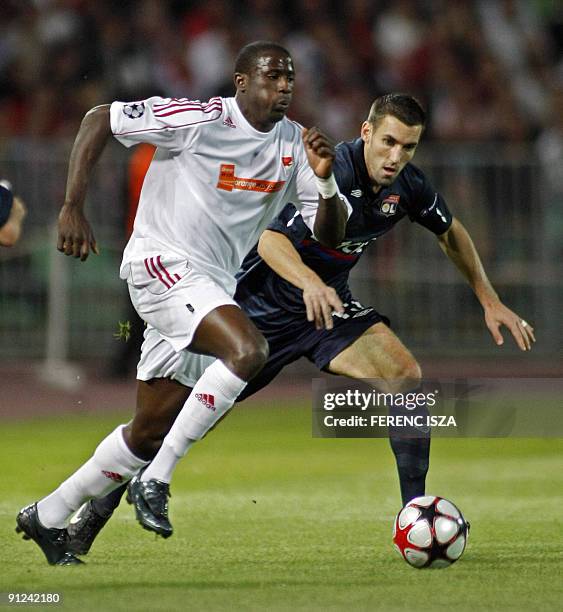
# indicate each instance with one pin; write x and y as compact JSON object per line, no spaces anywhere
{"x":258,"y":123}
{"x":375,"y":187}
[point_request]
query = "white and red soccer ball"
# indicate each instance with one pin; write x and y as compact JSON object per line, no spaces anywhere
{"x":430,"y":531}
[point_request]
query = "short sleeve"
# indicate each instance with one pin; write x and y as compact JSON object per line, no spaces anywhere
{"x":6,"y":202}
{"x":290,"y":223}
{"x":428,"y":208}
{"x":436,"y":217}
{"x":163,"y":122}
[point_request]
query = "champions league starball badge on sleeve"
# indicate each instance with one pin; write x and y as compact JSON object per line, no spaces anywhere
{"x":134,"y":110}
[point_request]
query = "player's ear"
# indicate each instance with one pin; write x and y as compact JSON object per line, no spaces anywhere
{"x":365,"y":130}
{"x":241,"y":81}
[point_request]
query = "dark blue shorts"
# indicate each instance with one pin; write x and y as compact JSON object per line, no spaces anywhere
{"x":299,"y":338}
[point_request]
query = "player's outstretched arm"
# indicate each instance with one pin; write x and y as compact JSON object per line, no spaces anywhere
{"x":331,"y":217}
{"x":75,"y":236}
{"x":320,"y":300}
{"x":458,"y":246}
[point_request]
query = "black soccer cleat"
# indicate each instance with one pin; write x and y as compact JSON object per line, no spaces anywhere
{"x":150,"y":500}
{"x":83,"y":529}
{"x":53,"y":542}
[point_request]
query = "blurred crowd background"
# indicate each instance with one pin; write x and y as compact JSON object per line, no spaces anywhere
{"x":486,"y":69}
{"x":489,"y":72}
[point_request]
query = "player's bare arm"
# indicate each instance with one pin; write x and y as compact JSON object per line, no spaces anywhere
{"x":10,"y":232}
{"x":320,"y":300}
{"x":76,"y":237}
{"x":458,"y":246}
{"x":330,"y":221}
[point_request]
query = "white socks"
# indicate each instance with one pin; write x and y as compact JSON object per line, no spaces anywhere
{"x":111,"y":465}
{"x":213,"y":395}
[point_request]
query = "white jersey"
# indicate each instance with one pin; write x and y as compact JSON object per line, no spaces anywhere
{"x":214,"y":184}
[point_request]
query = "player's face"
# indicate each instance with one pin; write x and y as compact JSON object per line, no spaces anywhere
{"x":388,"y":147}
{"x":264,"y":94}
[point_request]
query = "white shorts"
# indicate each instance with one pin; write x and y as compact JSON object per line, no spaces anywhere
{"x":160,"y":360}
{"x":173,"y":298}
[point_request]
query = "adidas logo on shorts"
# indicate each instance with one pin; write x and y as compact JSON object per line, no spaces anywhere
{"x":207,"y":400}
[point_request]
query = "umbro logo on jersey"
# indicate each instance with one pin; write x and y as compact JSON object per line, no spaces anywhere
{"x":357,"y":193}
{"x":389,"y":205}
{"x":229,"y":123}
{"x":207,"y":400}
{"x":113,"y":476}
{"x":287,"y":161}
{"x":134,"y":110}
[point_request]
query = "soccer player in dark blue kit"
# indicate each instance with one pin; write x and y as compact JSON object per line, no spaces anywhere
{"x":296,"y":292}
{"x":12,"y":214}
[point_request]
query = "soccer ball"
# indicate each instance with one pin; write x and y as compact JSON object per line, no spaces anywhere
{"x":430,"y":531}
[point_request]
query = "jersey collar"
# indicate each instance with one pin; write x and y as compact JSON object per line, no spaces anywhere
{"x":242,"y":123}
{"x":360,"y":165}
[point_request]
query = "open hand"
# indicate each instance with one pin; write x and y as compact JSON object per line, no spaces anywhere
{"x":498,"y":314}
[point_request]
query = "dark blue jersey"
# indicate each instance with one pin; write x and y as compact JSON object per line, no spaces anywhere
{"x":261,"y":291}
{"x":6,"y":201}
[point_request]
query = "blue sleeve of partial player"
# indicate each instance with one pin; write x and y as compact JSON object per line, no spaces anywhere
{"x":6,"y":201}
{"x":290,"y":223}
{"x":428,"y":207}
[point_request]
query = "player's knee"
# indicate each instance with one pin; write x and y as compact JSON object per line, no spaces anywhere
{"x":144,"y":440}
{"x":249,"y":358}
{"x":406,"y":375}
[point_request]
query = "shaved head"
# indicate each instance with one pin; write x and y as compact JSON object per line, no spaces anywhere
{"x":249,"y":55}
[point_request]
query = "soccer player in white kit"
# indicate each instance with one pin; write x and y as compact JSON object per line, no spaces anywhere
{"x":222,"y":171}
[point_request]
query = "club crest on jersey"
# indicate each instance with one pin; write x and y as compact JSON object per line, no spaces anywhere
{"x":134,"y":110}
{"x":287,"y":161}
{"x":389,"y":205}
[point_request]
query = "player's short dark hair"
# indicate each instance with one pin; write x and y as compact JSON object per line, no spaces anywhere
{"x":248,"y":55}
{"x":402,"y":106}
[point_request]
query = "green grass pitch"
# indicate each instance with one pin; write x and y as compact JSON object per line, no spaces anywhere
{"x":268,"y":518}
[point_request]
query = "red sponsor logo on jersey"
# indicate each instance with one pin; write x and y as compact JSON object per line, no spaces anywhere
{"x":113,"y":476}
{"x":207,"y":400}
{"x":287,"y":161}
{"x":228,"y":181}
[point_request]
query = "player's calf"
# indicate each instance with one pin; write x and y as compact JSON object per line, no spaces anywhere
{"x":411,"y":447}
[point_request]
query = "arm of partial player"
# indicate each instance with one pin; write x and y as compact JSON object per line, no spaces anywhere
{"x":10,"y":232}
{"x":458,"y":246}
{"x":332,"y":213}
{"x":75,"y":234}
{"x":320,"y":300}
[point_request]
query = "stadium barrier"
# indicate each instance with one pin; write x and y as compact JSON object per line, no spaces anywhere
{"x":56,"y":309}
